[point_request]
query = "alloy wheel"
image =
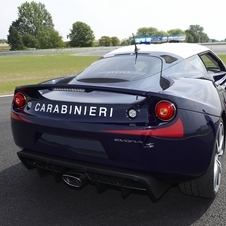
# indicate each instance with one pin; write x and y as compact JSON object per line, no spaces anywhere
{"x":218,"y":157}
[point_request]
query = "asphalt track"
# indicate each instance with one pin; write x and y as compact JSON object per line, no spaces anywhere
{"x":26,"y":199}
{"x":218,"y":49}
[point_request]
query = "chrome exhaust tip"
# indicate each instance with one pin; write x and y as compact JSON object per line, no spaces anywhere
{"x":75,"y":179}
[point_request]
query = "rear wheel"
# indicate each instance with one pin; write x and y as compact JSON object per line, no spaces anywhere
{"x":207,"y":186}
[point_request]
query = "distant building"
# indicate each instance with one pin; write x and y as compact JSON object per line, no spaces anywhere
{"x":4,"y":47}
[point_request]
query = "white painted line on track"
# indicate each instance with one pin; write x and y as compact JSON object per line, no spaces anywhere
{"x":8,"y":95}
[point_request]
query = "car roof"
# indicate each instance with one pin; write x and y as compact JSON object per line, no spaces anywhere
{"x":183,"y":50}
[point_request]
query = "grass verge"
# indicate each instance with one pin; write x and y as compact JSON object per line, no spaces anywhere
{"x":32,"y":69}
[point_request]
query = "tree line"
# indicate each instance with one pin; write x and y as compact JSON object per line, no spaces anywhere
{"x":34,"y":28}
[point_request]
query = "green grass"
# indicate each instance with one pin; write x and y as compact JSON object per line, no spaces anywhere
{"x":223,"y":57}
{"x":32,"y":69}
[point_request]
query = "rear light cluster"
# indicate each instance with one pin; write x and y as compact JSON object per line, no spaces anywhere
{"x":165,"y":110}
{"x":19,"y":100}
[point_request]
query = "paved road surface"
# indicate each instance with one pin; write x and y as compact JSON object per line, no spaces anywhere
{"x":26,"y":199}
{"x":218,"y":49}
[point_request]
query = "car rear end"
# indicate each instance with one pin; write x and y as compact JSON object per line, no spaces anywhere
{"x":102,"y":130}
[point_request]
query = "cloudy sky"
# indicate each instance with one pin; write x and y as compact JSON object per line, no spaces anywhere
{"x":121,"y":18}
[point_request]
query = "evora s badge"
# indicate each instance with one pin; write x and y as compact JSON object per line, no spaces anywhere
{"x":148,"y":145}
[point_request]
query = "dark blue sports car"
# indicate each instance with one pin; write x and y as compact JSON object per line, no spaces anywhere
{"x":142,"y":117}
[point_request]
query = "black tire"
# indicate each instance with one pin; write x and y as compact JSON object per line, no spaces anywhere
{"x":207,"y":186}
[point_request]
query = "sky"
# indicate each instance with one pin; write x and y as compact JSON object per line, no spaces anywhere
{"x":121,"y":18}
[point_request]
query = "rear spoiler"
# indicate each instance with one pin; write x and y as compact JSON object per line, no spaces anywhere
{"x":32,"y":90}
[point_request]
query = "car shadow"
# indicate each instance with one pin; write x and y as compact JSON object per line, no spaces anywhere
{"x":27,"y":199}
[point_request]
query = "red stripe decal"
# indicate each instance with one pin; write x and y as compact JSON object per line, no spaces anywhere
{"x":17,"y":117}
{"x":175,"y":130}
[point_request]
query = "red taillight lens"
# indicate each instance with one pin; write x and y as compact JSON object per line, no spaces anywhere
{"x":19,"y":100}
{"x":165,"y":110}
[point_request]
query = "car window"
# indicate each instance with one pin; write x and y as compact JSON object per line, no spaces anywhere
{"x":189,"y":67}
{"x":121,"y":68}
{"x":197,"y":63}
{"x":211,"y":65}
{"x":192,"y":63}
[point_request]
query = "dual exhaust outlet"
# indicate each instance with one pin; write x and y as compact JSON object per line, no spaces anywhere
{"x":75,"y":179}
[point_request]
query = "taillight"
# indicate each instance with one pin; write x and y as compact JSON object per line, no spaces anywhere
{"x":165,"y":110}
{"x":19,"y":100}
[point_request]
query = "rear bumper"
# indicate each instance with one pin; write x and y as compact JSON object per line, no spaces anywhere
{"x":170,"y":160}
{"x":126,"y":179}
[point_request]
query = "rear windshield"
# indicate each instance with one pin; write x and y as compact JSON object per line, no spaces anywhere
{"x":121,"y":68}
